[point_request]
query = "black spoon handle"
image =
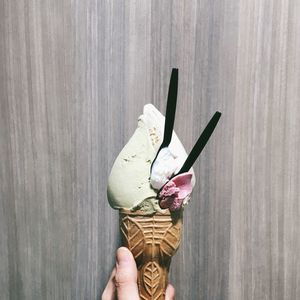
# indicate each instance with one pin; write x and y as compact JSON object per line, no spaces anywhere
{"x":171,"y":108}
{"x":200,"y":144}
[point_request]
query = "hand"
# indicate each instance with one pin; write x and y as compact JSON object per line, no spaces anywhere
{"x":123,"y":280}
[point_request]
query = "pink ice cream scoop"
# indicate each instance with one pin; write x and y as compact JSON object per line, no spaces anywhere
{"x":175,"y":191}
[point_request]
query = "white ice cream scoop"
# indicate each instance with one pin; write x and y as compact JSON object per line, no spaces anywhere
{"x":163,"y":168}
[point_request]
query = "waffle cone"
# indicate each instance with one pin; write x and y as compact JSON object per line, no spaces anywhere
{"x":153,"y":240}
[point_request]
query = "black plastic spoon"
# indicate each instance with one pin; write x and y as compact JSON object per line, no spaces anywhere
{"x":170,"y":112}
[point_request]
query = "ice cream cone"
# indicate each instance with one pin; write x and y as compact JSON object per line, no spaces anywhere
{"x":153,"y":240}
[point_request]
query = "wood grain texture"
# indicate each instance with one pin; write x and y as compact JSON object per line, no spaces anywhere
{"x":74,"y":77}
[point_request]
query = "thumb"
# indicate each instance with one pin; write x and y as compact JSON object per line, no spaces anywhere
{"x":126,"y":275}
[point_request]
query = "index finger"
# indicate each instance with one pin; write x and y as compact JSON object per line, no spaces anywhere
{"x":109,"y":292}
{"x":170,"y":292}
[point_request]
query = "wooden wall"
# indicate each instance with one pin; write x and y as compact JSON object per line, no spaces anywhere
{"x":74,"y":76}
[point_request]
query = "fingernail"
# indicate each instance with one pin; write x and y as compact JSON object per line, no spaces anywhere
{"x":123,"y":256}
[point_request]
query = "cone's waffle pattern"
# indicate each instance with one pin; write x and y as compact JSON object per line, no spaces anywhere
{"x":153,"y":240}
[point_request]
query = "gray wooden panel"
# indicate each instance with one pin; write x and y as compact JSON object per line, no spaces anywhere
{"x":74,"y":78}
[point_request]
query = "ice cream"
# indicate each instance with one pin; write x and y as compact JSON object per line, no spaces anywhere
{"x":176,"y":191}
{"x":150,"y":182}
{"x":133,"y":184}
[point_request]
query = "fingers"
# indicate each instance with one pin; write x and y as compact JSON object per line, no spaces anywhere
{"x":170,"y":292}
{"x":126,"y":276}
{"x":123,"y":279}
{"x":109,"y":292}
